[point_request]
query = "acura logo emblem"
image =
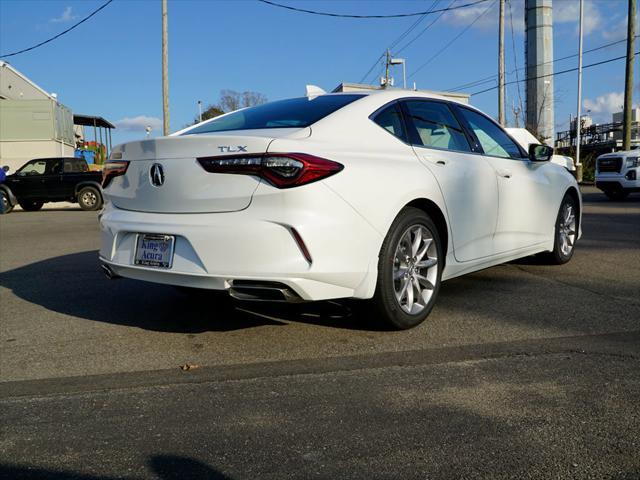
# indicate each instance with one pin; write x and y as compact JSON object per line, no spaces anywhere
{"x":157,"y":175}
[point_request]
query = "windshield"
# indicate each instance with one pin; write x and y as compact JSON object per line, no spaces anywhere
{"x":291,"y":113}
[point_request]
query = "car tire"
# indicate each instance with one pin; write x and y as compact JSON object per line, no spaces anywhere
{"x":89,"y":198}
{"x":6,"y":203}
{"x":409,"y":270}
{"x":30,"y":205}
{"x":566,"y":232}
{"x":616,"y":194}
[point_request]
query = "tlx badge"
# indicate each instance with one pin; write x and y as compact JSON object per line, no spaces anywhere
{"x":228,"y":149}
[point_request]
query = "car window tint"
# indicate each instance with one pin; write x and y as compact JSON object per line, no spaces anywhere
{"x":493,"y":140}
{"x":436,"y":126}
{"x":292,"y":113}
{"x":74,"y":165}
{"x":55,"y":166}
{"x":34,"y":167}
{"x":391,"y":120}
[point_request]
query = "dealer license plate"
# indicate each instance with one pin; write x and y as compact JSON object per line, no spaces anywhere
{"x":154,"y":250}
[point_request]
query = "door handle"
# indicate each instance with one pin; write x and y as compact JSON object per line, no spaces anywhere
{"x":504,"y":173}
{"x":437,"y":161}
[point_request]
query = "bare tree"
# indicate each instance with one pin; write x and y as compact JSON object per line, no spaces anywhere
{"x":231,"y":100}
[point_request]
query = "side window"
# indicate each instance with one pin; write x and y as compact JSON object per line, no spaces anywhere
{"x":436,"y":126}
{"x":34,"y":167}
{"x":391,"y":120}
{"x":74,"y":165}
{"x":493,"y":140}
{"x":55,"y":166}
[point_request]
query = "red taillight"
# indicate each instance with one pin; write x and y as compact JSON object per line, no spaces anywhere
{"x":283,"y":170}
{"x":113,"y":169}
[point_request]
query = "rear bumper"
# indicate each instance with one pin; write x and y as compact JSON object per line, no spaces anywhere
{"x":214,"y":249}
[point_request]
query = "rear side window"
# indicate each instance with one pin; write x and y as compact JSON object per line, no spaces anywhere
{"x":391,"y":120}
{"x":493,"y":140}
{"x":292,"y":113}
{"x":74,"y":165}
{"x":435,"y":126}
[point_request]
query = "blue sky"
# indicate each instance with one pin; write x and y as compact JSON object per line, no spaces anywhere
{"x":111,"y":65}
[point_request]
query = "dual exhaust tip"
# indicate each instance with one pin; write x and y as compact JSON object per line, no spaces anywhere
{"x":245,"y":290}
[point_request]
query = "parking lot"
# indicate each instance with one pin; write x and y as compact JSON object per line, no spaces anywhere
{"x":521,"y":371}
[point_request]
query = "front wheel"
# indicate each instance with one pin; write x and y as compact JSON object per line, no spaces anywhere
{"x":6,"y":206}
{"x":30,"y":205}
{"x":89,"y":198}
{"x":409,"y":270}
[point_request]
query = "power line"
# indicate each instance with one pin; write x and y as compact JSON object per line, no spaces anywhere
{"x":58,"y":35}
{"x":515,"y":71}
{"x":397,"y":15}
{"x":452,"y":40}
{"x":371,"y":69}
{"x":412,"y":27}
{"x":515,"y":58}
{"x":557,"y":73}
{"x":398,"y":40}
{"x":424,"y":29}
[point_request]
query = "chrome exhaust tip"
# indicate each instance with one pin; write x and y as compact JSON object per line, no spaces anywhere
{"x":110,"y":274}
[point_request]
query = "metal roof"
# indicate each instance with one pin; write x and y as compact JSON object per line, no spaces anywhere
{"x":91,"y":121}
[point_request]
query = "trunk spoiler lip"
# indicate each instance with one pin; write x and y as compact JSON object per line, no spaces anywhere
{"x":147,"y":147}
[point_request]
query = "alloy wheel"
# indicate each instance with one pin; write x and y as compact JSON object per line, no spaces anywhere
{"x":89,"y":198}
{"x":567,"y":229}
{"x":415,"y":269}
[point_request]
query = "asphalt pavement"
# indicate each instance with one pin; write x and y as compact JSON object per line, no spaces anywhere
{"x":522,"y":370}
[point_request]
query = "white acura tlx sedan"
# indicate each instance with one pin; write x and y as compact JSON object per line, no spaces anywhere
{"x":377,"y":196}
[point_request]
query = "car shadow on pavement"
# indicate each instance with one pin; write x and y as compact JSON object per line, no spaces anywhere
{"x":73,"y":285}
{"x":165,"y":467}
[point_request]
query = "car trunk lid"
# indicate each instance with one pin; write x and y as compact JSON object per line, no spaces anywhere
{"x":164,"y":175}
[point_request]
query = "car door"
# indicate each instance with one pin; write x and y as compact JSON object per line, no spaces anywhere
{"x":526,"y":213}
{"x":74,"y":169}
{"x":53,"y":178}
{"x":28,"y":182}
{"x":467,"y":182}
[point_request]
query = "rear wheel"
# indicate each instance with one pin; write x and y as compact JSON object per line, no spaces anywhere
{"x":409,"y":270}
{"x":566,"y":232}
{"x":616,"y":194}
{"x":89,"y":198}
{"x":30,"y":205}
{"x":6,"y":204}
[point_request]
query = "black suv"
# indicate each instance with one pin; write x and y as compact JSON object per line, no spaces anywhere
{"x":52,"y":180}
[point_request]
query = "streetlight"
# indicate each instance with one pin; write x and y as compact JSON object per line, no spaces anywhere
{"x":398,"y":61}
{"x":200,"y":109}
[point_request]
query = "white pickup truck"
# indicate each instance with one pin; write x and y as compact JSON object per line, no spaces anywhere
{"x":525,"y":138}
{"x":618,"y":173}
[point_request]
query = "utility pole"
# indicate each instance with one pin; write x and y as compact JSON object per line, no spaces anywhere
{"x":501,"y":112}
{"x":628,"y":80}
{"x":579,"y":117}
{"x":200,"y":111}
{"x":386,"y":69}
{"x":165,"y":70}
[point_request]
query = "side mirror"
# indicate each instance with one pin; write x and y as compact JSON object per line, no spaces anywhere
{"x":5,"y":168}
{"x":540,"y":153}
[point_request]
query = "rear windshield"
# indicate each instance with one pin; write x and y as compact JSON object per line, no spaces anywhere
{"x":291,"y":113}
